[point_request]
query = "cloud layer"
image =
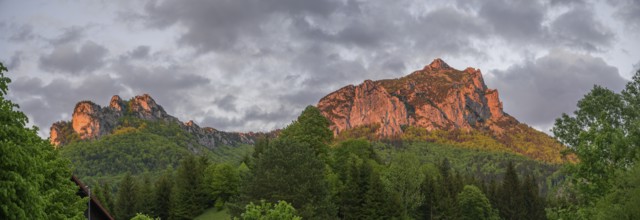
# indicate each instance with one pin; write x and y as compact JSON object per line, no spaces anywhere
{"x":250,"y":65}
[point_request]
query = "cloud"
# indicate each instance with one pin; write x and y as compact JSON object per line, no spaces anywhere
{"x":220,"y":25}
{"x":227,"y":102}
{"x":540,"y":90}
{"x":140,"y":52}
{"x":70,"y":34}
{"x":579,"y":28}
{"x":628,"y":11}
{"x":15,"y":61}
{"x":517,"y":20}
{"x":68,"y":59}
{"x":47,"y":102}
{"x":24,"y":33}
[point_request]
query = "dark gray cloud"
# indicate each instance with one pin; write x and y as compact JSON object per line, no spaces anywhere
{"x":140,"y":52}
{"x":518,"y":20}
{"x":579,"y":28}
{"x":219,"y":25}
{"x":70,"y":34}
{"x":538,"y":91}
{"x":47,"y":102}
{"x":567,"y":2}
{"x":628,"y":11}
{"x":449,"y":31}
{"x":169,"y":84}
{"x":234,"y":64}
{"x":227,"y":103}
{"x":69,"y":59}
{"x":23,"y":33}
{"x":15,"y":61}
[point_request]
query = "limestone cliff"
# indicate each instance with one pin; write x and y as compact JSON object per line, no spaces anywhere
{"x":91,"y":121}
{"x":438,"y":97}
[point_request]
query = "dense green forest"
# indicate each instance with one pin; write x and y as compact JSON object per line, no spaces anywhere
{"x":139,"y":146}
{"x":147,"y":170}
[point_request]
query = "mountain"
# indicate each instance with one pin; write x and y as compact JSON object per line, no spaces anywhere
{"x":437,"y":103}
{"x":90,"y":121}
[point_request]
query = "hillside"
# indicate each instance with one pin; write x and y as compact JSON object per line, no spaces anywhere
{"x":91,"y":121}
{"x":138,"y":136}
{"x":436,"y":104}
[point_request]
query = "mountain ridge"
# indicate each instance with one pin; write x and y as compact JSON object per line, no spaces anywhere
{"x":436,"y":98}
{"x":91,"y":121}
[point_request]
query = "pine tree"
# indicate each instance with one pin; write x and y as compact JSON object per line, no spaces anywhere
{"x":145,"y":201}
{"x":190,"y":196}
{"x":533,"y":203}
{"x":289,"y":170}
{"x":510,"y":195}
{"x":356,"y":184}
{"x":378,"y":202}
{"x":128,"y":193}
{"x":162,"y":196}
{"x":428,"y":206}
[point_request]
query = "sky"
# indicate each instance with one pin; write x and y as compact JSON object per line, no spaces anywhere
{"x":253,"y":65}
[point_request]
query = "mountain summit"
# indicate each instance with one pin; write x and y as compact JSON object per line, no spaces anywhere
{"x":91,"y":121}
{"x":436,"y":98}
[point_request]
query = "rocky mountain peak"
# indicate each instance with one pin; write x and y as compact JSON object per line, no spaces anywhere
{"x":436,"y":98}
{"x":117,"y":103}
{"x":429,"y":98}
{"x":91,"y":121}
{"x":438,"y":64}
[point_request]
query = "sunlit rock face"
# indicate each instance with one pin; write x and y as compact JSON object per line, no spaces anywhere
{"x":436,"y":97}
{"x":90,"y":121}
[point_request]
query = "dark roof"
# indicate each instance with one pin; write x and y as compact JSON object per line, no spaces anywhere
{"x":94,"y":201}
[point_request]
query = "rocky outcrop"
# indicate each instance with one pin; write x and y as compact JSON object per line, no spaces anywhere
{"x":364,"y":104}
{"x":90,"y":121}
{"x":436,"y":97}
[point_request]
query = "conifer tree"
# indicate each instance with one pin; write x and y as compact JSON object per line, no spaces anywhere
{"x":162,"y":195}
{"x":128,"y":193}
{"x":510,"y":195}
{"x":289,"y":170}
{"x":145,"y":201}
{"x":190,"y":196}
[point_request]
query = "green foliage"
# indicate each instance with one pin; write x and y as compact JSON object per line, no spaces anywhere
{"x":214,"y":213}
{"x":162,"y":195}
{"x":223,"y":181}
{"x":34,"y":180}
{"x":289,"y":170}
{"x":140,"y":216}
{"x":623,"y":200}
{"x":403,"y":178}
{"x":605,"y":135}
{"x":520,"y":140}
{"x":190,"y":197}
{"x":128,"y":193}
{"x":485,"y":165}
{"x":265,"y":211}
{"x":104,"y":193}
{"x":138,"y":146}
{"x":145,"y":200}
{"x":134,"y":151}
{"x":473,"y":204}
{"x":311,"y":128}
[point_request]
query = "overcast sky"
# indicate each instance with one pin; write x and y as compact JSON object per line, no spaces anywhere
{"x":253,"y":65}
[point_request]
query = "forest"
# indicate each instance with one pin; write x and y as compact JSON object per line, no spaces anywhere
{"x":306,"y":173}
